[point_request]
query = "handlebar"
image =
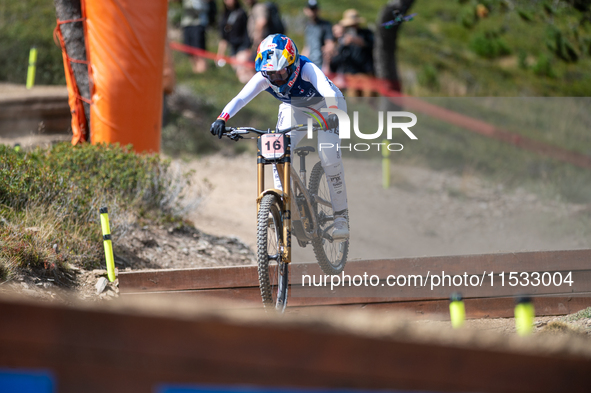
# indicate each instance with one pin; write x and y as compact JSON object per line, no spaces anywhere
{"x":236,"y":133}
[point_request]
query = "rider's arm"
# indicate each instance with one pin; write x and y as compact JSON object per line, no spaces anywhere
{"x":311,"y":73}
{"x":255,"y":85}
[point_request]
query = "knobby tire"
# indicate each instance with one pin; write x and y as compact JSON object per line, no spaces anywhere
{"x":273,"y":273}
{"x":331,"y":257}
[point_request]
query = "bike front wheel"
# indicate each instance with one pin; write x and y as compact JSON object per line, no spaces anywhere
{"x":273,"y":271}
{"x":330,"y":254}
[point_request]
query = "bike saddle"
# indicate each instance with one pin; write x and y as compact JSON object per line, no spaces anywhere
{"x":304,"y":150}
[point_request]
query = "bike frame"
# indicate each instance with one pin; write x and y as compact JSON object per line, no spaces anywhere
{"x":298,"y":184}
{"x":274,"y":148}
{"x":287,"y":175}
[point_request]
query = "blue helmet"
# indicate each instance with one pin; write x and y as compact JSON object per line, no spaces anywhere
{"x":279,"y":61}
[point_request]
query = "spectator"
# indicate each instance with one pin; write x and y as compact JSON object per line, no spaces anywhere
{"x":355,"y":47}
{"x":257,"y":21}
{"x":264,"y":19}
{"x":338,"y":78}
{"x":337,"y":32}
{"x":234,"y":33}
{"x":319,"y":38}
{"x":194,"y":22}
{"x":212,"y":13}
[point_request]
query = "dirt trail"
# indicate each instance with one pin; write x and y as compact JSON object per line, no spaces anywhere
{"x":424,"y":213}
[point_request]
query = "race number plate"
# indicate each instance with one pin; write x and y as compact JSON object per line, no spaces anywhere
{"x":272,"y":146}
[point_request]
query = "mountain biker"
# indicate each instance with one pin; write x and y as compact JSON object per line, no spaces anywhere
{"x":303,"y":90}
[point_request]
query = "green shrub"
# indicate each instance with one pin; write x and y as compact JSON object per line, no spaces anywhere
{"x":585,"y":45}
{"x":522,"y":60}
{"x":467,"y":17}
{"x":583,"y":314}
{"x":74,"y":175}
{"x":525,"y":15}
{"x":543,"y":67}
{"x":489,"y":45}
{"x":429,"y":77}
{"x":52,"y":196}
{"x":560,"y":46}
{"x":548,"y":8}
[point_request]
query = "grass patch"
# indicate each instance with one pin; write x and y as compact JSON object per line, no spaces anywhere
{"x":561,"y":328}
{"x":429,"y":77}
{"x":543,"y":67}
{"x":557,"y":327}
{"x":583,"y":314}
{"x":489,"y":45}
{"x":24,"y":24}
{"x":444,"y":32}
{"x":49,"y":201}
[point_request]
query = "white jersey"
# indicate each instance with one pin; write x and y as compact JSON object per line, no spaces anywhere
{"x":313,"y":84}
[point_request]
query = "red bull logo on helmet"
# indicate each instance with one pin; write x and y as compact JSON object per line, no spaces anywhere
{"x":289,"y":51}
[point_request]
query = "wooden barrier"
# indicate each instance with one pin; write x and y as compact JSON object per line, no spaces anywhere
{"x":241,"y":284}
{"x":22,"y":110}
{"x":134,"y":348}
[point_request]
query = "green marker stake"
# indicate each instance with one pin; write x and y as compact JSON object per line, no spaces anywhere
{"x":108,"y":244}
{"x":457,"y":311}
{"x":386,"y":165}
{"x":524,"y":316}
{"x":32,"y":67}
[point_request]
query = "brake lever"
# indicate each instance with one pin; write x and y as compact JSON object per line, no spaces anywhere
{"x":234,"y":137}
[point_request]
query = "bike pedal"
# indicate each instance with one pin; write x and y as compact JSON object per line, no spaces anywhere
{"x":302,"y":244}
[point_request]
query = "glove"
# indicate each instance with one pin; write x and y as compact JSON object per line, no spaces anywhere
{"x":332,"y":121}
{"x":218,"y":128}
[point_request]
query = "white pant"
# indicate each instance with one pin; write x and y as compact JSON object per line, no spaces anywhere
{"x":330,"y":158}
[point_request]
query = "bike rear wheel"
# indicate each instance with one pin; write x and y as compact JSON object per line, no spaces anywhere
{"x":273,"y":271}
{"x":330,"y":254}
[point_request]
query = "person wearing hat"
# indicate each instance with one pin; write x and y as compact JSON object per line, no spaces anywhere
{"x":319,"y":39}
{"x":355,"y":47}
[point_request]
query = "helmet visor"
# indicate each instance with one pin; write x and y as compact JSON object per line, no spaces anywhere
{"x":278,"y":78}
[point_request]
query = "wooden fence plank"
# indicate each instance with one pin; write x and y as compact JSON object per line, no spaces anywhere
{"x":246,"y":276}
{"x":93,"y":350}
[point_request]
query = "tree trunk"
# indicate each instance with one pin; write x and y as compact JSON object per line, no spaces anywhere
{"x":386,"y":44}
{"x":73,"y":34}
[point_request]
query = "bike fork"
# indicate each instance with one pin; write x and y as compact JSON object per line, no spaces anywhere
{"x":282,"y":287}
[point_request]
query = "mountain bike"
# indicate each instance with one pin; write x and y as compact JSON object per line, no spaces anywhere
{"x":295,"y":209}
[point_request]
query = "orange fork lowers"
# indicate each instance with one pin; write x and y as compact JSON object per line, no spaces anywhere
{"x":287,"y":206}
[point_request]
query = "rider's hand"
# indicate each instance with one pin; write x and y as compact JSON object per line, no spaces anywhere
{"x":332,"y":121}
{"x":218,"y":128}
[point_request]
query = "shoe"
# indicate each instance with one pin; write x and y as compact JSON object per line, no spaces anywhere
{"x":341,"y":229}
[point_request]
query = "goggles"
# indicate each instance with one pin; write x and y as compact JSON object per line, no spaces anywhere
{"x":277,"y":77}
